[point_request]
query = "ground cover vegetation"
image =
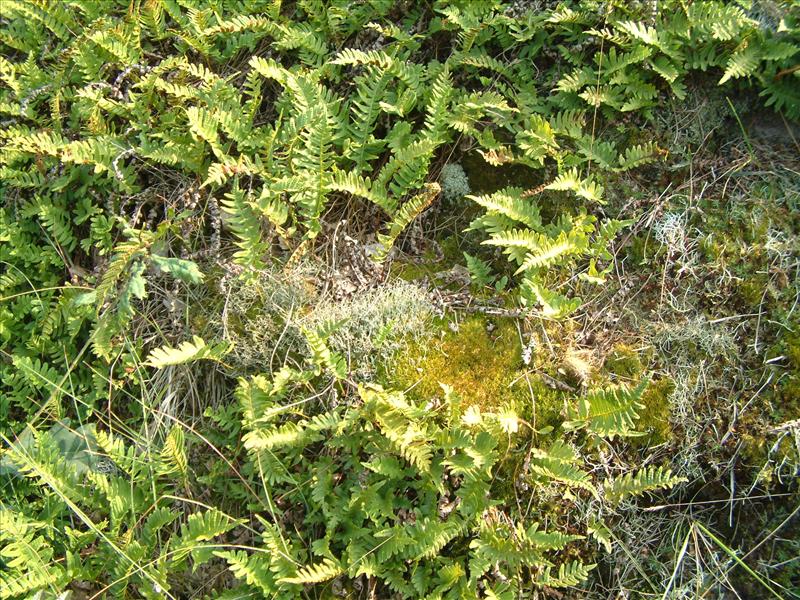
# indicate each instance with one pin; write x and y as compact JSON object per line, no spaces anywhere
{"x":392,"y":299}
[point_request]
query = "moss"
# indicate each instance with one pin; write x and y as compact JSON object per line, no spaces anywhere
{"x":781,"y":402}
{"x":642,"y":249}
{"x":410,"y":271}
{"x":654,"y":417}
{"x":477,"y":363}
{"x":624,"y":362}
{"x":451,"y":250}
{"x":791,"y":349}
{"x":713,"y":249}
{"x":485,"y":178}
{"x":484,"y":367}
{"x":548,"y":407}
{"x":751,"y":289}
{"x":760,"y":452}
{"x":430,"y":263}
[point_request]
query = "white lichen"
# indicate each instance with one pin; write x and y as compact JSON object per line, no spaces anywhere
{"x":454,"y":181}
{"x":264,"y":318}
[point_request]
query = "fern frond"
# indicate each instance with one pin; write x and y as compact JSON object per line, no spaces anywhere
{"x":188,"y":351}
{"x":242,"y":217}
{"x":201,"y":527}
{"x":743,"y":62}
{"x":322,"y":571}
{"x":356,"y":185}
{"x":569,"y":575}
{"x":556,"y":470}
{"x":395,"y":419}
{"x":639,"y":482}
{"x":253,"y":569}
{"x":570,"y":180}
{"x":404,"y":216}
{"x":637,"y":155}
{"x":553,"y":305}
{"x":185,"y":270}
{"x":321,"y":355}
{"x":610,"y":411}
{"x":510,"y":203}
{"x":407,"y":72}
{"x":550,"y":251}
{"x":173,"y":454}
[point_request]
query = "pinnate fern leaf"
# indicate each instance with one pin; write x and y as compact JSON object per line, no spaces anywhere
{"x":404,"y":216}
{"x":637,"y":483}
{"x":322,"y":571}
{"x":569,"y":575}
{"x":189,"y":351}
{"x":609,"y":411}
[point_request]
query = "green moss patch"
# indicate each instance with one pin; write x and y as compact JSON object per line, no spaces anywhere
{"x":483,"y":364}
{"x":654,"y":417}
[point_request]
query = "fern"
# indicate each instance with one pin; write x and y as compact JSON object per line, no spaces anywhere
{"x":403,"y":217}
{"x":551,"y":465}
{"x":185,"y":270}
{"x":246,"y":225}
{"x":200,"y":527}
{"x":298,"y":116}
{"x":173,"y":454}
{"x":27,"y":557}
{"x":323,"y":571}
{"x":192,"y":351}
{"x":479,"y":270}
{"x":362,"y":187}
{"x":638,"y":155}
{"x":393,"y":416}
{"x":570,"y":180}
{"x":640,"y":482}
{"x":742,"y":63}
{"x":610,"y":411}
{"x":568,"y":575}
{"x":321,"y":355}
{"x":511,"y":204}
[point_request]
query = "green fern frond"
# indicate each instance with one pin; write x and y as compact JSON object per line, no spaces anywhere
{"x":552,"y":304}
{"x":284,"y":436}
{"x":637,"y":155}
{"x":187,"y":352}
{"x":322,"y":571}
{"x":569,"y":575}
{"x":254,"y":569}
{"x":356,"y":185}
{"x":552,"y":469}
{"x":407,"y":72}
{"x":242,"y":217}
{"x":550,"y":251}
{"x":395,"y":419}
{"x":173,"y":454}
{"x":404,"y":216}
{"x":570,"y":180}
{"x":609,"y":411}
{"x":640,"y":482}
{"x":322,"y":357}
{"x":510,"y":203}
{"x":743,"y":62}
{"x":201,"y":527}
{"x":179,"y":268}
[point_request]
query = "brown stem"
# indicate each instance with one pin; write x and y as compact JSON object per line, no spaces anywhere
{"x":788,"y":71}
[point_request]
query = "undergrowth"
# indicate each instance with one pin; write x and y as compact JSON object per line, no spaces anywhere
{"x":204,"y":210}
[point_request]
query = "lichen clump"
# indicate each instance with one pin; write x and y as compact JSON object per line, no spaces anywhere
{"x":455,"y":184}
{"x":265,"y":318}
